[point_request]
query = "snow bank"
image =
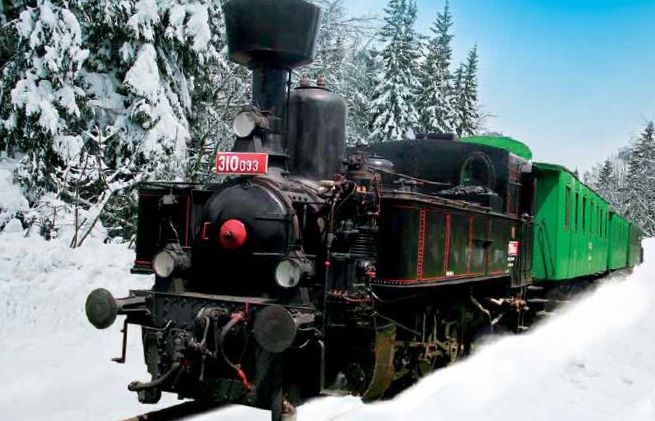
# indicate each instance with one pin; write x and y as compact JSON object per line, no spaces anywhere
{"x":592,"y":361}
{"x":58,"y":367}
{"x":12,"y":200}
{"x":43,"y":284}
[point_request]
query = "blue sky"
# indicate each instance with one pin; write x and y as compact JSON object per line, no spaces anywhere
{"x":573,"y":79}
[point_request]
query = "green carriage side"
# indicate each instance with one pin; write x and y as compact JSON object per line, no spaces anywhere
{"x":635,"y":250}
{"x":573,"y":230}
{"x":619,"y":237}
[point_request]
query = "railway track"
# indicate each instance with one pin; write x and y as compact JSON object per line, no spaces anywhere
{"x":176,"y":412}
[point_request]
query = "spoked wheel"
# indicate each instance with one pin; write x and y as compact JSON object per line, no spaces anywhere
{"x":454,"y":341}
{"x":457,"y":341}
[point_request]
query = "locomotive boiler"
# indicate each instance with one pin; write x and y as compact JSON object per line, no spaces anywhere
{"x":313,"y":269}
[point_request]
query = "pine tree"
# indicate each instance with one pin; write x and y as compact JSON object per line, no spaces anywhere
{"x":99,"y":95}
{"x":41,"y":95}
{"x":393,"y":114}
{"x":641,"y":179}
{"x":435,"y":99}
{"x":605,"y":180}
{"x":345,"y":59}
{"x":361,"y":67}
{"x":330,"y":49}
{"x":457,"y":97}
{"x":169,"y":100}
{"x":605,"y":176}
{"x":220,"y":91}
{"x":641,"y":154}
{"x":467,"y":114}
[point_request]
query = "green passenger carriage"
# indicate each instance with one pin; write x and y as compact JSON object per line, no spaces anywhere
{"x":576,"y":233}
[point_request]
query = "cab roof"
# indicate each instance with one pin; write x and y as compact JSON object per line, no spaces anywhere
{"x":502,"y":142}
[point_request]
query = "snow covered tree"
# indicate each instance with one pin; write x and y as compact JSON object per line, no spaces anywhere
{"x":142,"y":77}
{"x":467,"y":113}
{"x":330,"y":50}
{"x":393,"y":113}
{"x":41,"y":92}
{"x":345,"y":59}
{"x":435,"y":99}
{"x":361,"y":66}
{"x":220,"y":91}
{"x":640,"y":180}
{"x":606,"y":175}
{"x":607,"y":179}
{"x":124,"y":72}
{"x":149,"y":57}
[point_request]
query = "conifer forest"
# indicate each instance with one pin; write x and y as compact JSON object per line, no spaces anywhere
{"x":98,"y":96}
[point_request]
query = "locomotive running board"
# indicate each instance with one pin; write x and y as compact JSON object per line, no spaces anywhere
{"x":383,"y":371}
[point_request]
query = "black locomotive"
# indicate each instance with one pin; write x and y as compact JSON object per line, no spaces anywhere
{"x":321,"y":271}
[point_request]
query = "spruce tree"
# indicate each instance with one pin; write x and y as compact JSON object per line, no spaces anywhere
{"x":393,"y":114}
{"x":361,"y":66}
{"x":641,"y":179}
{"x":150,"y":77}
{"x":345,"y":58}
{"x":605,"y":176}
{"x":605,"y":180}
{"x":467,"y":112}
{"x":220,"y":91}
{"x":435,"y":99}
{"x":99,"y":95}
{"x":330,"y":49}
{"x":457,"y":97}
{"x":42,"y":98}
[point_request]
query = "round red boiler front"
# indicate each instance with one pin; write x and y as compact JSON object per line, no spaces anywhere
{"x":233,"y":234}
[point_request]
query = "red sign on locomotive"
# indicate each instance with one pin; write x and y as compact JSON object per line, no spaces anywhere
{"x":241,"y":163}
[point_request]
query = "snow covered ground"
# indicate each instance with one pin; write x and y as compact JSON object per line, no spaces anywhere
{"x":593,"y":361}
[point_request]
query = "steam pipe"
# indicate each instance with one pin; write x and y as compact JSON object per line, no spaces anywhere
{"x":138,"y":386}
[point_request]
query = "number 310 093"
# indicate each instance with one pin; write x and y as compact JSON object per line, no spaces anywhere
{"x":237,"y":163}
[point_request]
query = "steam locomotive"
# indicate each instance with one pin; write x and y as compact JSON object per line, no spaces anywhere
{"x":314,"y":269}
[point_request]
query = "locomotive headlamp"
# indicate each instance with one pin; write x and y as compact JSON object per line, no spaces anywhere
{"x":244,"y":124}
{"x":292,"y":269}
{"x":164,"y":264}
{"x":287,"y":273}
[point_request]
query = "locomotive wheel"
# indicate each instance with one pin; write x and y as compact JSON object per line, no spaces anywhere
{"x":281,"y":409}
{"x":454,"y":341}
{"x":383,"y":369}
{"x":455,"y":334}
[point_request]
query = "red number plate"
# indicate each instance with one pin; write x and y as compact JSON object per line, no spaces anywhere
{"x":513,"y":248}
{"x":235,"y":163}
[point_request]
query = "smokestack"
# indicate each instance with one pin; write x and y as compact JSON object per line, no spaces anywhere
{"x":271,"y":37}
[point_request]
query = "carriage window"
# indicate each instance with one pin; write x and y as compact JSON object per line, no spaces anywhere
{"x":477,"y":171}
{"x":567,"y":209}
